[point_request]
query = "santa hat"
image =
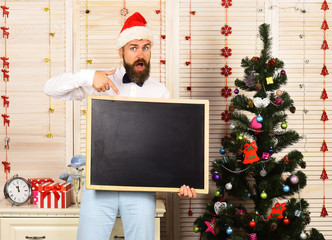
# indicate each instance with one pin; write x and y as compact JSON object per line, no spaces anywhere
{"x":134,"y":28}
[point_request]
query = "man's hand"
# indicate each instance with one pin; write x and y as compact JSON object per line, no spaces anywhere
{"x":102,"y":83}
{"x":186,"y":191}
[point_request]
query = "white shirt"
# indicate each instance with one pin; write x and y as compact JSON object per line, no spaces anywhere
{"x":76,"y":86}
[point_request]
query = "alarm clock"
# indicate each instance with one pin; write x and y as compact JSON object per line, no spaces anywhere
{"x":17,"y":190}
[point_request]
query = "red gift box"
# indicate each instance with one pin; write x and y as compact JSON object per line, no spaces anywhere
{"x":35,"y":182}
{"x":54,"y":195}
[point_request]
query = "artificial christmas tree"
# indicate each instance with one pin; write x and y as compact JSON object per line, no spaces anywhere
{"x":251,"y":169}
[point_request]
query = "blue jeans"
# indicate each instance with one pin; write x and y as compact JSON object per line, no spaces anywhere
{"x":99,"y":210}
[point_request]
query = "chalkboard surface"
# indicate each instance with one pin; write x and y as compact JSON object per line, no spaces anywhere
{"x":140,"y":144}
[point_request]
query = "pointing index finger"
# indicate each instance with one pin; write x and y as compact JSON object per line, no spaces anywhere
{"x":112,"y":85}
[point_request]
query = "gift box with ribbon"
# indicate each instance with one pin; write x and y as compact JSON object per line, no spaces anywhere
{"x":54,"y":195}
{"x":35,"y":182}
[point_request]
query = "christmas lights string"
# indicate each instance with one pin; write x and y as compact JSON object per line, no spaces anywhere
{"x":324,"y":96}
{"x":162,"y":37}
{"x":188,"y":38}
{"x":226,"y":71}
{"x":5,"y":97}
{"x":49,"y":61}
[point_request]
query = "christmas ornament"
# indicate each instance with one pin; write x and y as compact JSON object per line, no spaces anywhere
{"x":278,"y":101}
{"x":228,"y":186}
{"x":325,"y":6}
{"x":219,"y":206}
{"x":261,"y":102}
{"x":239,"y":137}
{"x":226,"y":30}
{"x":324,"y":95}
{"x":324,"y":147}
{"x":217,"y":193}
{"x":259,"y":118}
{"x":325,"y":45}
{"x":324,"y":26}
{"x":240,"y":212}
{"x":271,"y":150}
{"x":303,"y":164}
{"x":226,"y":52}
{"x":216,"y":177}
{"x":225,"y":115}
{"x":274,"y":226}
{"x":263,"y":195}
{"x":222,"y":150}
{"x":250,"y":153}
{"x":269,"y":80}
{"x":226,"y":3}
{"x":236,"y":91}
{"x":251,"y":181}
{"x":324,"y":175}
{"x":292,"y":109}
{"x":252,"y":236}
{"x":232,"y":126}
{"x":277,"y":211}
{"x":250,"y":103}
{"x":283,"y":125}
{"x":294,"y":179}
{"x":283,"y":72}
{"x":254,"y":124}
{"x":252,"y":223}
{"x":263,"y":173}
{"x":226,"y":92}
{"x":196,"y":229}
{"x":249,"y":81}
{"x":324,"y":116}
{"x":279,"y":93}
{"x":265,"y":155}
{"x":286,"y":221}
{"x":229,"y":230}
{"x":303,"y":235}
{"x":297,"y":213}
{"x":285,"y":188}
{"x":272,"y":61}
{"x":286,"y":159}
{"x":324,"y":71}
{"x":285,"y":175}
{"x":258,"y":86}
{"x":210,"y":226}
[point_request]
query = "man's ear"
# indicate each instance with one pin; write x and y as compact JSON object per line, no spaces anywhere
{"x":121,"y":52}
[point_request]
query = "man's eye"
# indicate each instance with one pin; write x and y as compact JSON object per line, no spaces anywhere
{"x":133,"y":48}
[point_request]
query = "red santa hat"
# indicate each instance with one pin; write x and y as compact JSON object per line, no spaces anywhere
{"x":135,"y":27}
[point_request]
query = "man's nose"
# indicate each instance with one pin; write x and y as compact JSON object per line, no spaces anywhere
{"x":139,"y":53}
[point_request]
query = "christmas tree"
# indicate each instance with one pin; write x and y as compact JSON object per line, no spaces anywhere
{"x":253,"y":167}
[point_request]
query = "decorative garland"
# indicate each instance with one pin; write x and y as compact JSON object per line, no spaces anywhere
{"x":324,"y":96}
{"x":162,"y":37}
{"x":188,"y":38}
{"x":226,"y":70}
{"x":48,"y":60}
{"x":5,"y":97}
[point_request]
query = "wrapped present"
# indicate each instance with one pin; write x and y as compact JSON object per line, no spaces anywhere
{"x":54,"y":195}
{"x":35,"y":182}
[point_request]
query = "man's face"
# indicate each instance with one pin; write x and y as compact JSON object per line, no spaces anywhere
{"x":136,"y":56}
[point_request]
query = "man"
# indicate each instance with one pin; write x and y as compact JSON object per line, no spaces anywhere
{"x":100,"y":208}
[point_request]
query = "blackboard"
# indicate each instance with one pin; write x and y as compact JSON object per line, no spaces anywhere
{"x":141,"y":144}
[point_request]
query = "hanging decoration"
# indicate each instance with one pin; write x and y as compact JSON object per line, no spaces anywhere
{"x":324,"y":96}
{"x":188,"y":38}
{"x":49,"y":61}
{"x":5,"y":97}
{"x":162,"y":38}
{"x":226,"y":71}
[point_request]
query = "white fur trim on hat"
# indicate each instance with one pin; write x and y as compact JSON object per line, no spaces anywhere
{"x":134,"y":33}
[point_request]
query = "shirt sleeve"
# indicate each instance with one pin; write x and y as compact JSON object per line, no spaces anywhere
{"x":70,"y":86}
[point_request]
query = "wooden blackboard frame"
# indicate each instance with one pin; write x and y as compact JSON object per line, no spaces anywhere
{"x":89,"y":136}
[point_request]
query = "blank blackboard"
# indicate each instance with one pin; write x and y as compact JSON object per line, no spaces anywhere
{"x":141,"y":144}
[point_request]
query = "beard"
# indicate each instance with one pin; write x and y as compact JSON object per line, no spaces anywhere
{"x":134,"y":75}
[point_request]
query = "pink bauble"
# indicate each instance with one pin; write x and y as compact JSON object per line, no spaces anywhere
{"x":294,"y":179}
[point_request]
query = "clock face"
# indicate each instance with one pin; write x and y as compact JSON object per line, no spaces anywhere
{"x":18,"y":190}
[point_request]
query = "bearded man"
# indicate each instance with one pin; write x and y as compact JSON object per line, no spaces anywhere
{"x":99,"y":209}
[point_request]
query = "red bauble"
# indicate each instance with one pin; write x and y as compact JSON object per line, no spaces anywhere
{"x":252,"y":224}
{"x":286,"y":221}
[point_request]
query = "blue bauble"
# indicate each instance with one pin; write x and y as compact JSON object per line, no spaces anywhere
{"x":229,"y":230}
{"x":271,"y":150}
{"x":259,"y":118}
{"x":222,"y":150}
{"x":215,"y":177}
{"x":286,"y":188}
